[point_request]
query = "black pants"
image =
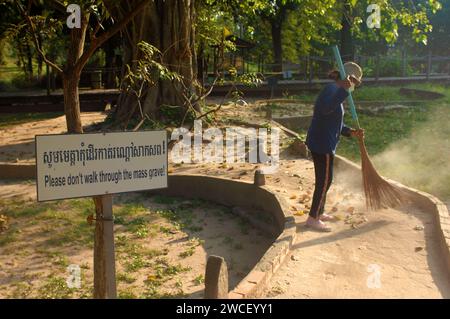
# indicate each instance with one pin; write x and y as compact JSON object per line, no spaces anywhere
{"x":323,"y":169}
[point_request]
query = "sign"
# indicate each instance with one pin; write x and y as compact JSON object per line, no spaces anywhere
{"x":81,"y":165}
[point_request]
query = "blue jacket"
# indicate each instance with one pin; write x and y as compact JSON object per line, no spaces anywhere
{"x":328,"y":120}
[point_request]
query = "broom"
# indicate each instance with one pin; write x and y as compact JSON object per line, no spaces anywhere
{"x":379,"y":193}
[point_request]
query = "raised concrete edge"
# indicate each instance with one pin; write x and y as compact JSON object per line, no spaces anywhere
{"x":17,"y":171}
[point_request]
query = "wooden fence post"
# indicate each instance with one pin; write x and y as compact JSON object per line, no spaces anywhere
{"x":429,"y":60}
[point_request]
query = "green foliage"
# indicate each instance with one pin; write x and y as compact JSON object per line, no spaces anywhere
{"x":200,"y":279}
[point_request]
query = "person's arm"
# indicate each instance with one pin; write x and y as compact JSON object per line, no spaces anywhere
{"x":346,"y":131}
{"x":331,"y":99}
{"x":351,"y":132}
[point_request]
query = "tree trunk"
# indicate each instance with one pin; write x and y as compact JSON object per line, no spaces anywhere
{"x":71,"y":78}
{"x":277,"y":46}
{"x":29,"y":61}
{"x":347,"y":48}
{"x":110,"y":61}
{"x":72,"y":102}
{"x":201,"y":63}
{"x":39,"y":58}
{"x":169,"y":26}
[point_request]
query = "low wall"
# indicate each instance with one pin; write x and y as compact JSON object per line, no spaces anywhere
{"x":294,"y":122}
{"x":17,"y":171}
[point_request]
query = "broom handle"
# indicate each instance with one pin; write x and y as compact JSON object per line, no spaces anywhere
{"x":338,"y":59}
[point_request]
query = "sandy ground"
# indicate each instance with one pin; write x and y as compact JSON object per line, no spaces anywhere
{"x":17,"y":143}
{"x":31,"y":258}
{"x":385,"y":254}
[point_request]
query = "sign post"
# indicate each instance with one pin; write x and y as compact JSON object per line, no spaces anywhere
{"x":99,"y":165}
{"x":104,"y":257}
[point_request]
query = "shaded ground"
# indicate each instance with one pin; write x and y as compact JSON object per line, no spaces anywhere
{"x":17,"y":142}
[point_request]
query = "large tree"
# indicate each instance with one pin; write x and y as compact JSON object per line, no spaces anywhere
{"x":168,"y":25}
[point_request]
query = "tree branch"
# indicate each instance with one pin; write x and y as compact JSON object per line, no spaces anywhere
{"x":97,"y":42}
{"x":35,"y":38}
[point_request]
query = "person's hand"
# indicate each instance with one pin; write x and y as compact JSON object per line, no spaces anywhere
{"x":357,"y":133}
{"x":346,"y":84}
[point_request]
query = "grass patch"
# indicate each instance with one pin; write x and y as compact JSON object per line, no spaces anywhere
{"x":200,"y":279}
{"x":8,"y":237}
{"x":187,"y":253}
{"x":126,"y":278}
{"x":55,"y":288}
{"x":135,"y":263}
{"x":382,"y":130}
{"x":126,"y":294}
{"x":129,"y":209}
{"x":152,"y":253}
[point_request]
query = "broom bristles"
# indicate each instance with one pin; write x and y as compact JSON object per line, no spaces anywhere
{"x":379,"y":193}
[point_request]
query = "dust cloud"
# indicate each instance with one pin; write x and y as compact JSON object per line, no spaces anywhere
{"x":422,"y":160}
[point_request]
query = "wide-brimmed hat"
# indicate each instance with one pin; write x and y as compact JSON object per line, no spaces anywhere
{"x":353,"y":69}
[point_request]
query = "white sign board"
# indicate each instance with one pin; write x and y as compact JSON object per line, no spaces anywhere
{"x":81,"y":165}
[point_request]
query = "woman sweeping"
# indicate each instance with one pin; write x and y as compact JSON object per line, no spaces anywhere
{"x":323,"y":136}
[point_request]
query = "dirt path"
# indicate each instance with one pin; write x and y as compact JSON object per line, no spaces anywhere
{"x":344,"y":264}
{"x":17,"y":142}
{"x":391,"y":254}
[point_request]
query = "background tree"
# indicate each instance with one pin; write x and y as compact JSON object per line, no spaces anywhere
{"x":168,"y":25}
{"x":80,"y":47}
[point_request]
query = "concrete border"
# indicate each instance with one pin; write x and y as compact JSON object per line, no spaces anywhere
{"x":17,"y":171}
